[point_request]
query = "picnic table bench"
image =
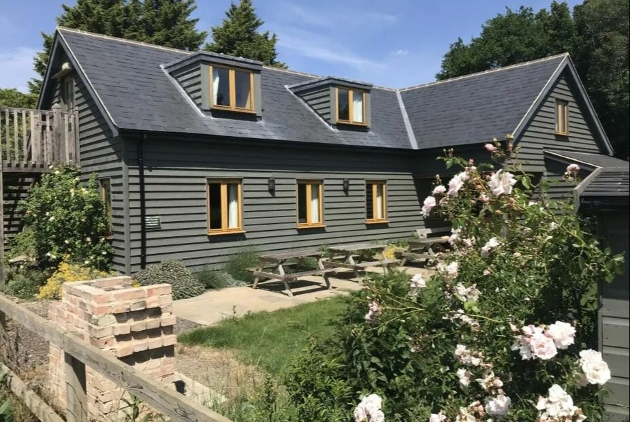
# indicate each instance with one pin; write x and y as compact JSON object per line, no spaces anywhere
{"x":426,"y":247}
{"x":271,"y":266}
{"x":348,"y":252}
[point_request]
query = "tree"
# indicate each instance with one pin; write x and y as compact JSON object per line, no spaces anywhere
{"x":596,"y":36}
{"x":161,"y":22}
{"x":239,"y":36}
{"x":11,"y":97}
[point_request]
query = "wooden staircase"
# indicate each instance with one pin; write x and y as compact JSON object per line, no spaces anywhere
{"x":30,"y":142}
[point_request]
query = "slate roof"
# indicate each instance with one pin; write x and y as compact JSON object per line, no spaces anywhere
{"x":595,"y":160}
{"x":608,"y":183}
{"x":137,"y":94}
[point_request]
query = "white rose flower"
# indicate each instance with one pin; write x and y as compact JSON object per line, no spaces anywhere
{"x":369,"y":410}
{"x":464,"y":377}
{"x":498,"y":406}
{"x":563,"y":334}
{"x":439,"y":190}
{"x":456,"y":183}
{"x":417,"y":283}
{"x":596,"y":371}
{"x":437,"y":417}
{"x":501,"y":183}
{"x":543,"y":347}
{"x":429,"y":204}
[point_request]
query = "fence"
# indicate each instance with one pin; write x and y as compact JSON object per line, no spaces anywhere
{"x":77,"y":355}
{"x":40,"y":137}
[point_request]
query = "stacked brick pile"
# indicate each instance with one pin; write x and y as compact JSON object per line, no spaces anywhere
{"x":133,"y":323}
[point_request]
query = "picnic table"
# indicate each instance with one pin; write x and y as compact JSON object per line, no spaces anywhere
{"x":428,"y":245}
{"x":271,"y":266}
{"x":348,"y":252}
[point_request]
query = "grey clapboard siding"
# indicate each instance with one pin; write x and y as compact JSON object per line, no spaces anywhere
{"x":175,"y":180}
{"x":559,"y":188}
{"x":319,"y":99}
{"x":101,"y":153}
{"x":189,"y":78}
{"x":614,"y":319}
{"x":540,"y":133}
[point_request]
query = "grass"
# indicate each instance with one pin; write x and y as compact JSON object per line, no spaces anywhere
{"x":271,"y":339}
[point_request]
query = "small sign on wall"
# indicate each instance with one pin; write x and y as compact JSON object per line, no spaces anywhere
{"x":153,"y":222}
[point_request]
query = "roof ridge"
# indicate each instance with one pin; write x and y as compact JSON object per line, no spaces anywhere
{"x":109,"y":37}
{"x":485,"y":72}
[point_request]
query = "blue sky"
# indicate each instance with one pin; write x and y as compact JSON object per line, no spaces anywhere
{"x":394,"y":43}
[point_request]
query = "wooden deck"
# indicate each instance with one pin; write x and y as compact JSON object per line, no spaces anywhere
{"x":32,"y":140}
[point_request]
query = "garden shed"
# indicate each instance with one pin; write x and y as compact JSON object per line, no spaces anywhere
{"x":604,"y":194}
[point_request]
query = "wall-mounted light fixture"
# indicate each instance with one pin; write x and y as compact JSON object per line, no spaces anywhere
{"x":271,"y":184}
{"x":346,"y":185}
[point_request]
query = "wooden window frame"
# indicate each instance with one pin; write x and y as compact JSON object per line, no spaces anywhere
{"x":562,"y":117}
{"x":351,"y":92}
{"x":109,"y":206}
{"x":67,"y":93}
{"x":224,"y":206}
{"x":232,"y":84}
{"x":374,"y":184}
{"x":309,"y":186}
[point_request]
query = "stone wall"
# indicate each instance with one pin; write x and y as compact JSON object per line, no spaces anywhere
{"x":133,"y":323}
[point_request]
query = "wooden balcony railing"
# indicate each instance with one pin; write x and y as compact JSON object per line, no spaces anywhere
{"x":35,"y":139}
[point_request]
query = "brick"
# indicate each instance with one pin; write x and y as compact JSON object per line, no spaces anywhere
{"x":141,"y":345}
{"x":167,"y":310}
{"x":153,"y":302}
{"x":138,"y":326}
{"x":106,"y":320}
{"x":138,"y":305}
{"x":153,"y":323}
{"x":158,"y":290}
{"x":123,"y":350}
{"x":154,"y":333}
{"x":169,"y":340}
{"x":168,"y":320}
{"x":102,"y":298}
{"x":140,"y":335}
{"x":110,"y":282}
{"x":100,"y":332}
{"x":105,"y":342}
{"x":120,"y":329}
{"x":107,"y":407}
{"x":121,"y":307}
{"x":129,"y":294}
{"x":166,"y":300}
{"x":156,"y":343}
{"x":100,"y":310}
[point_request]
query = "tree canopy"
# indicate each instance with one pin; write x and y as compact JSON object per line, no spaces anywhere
{"x":162,"y":22}
{"x":595,"y":33}
{"x":239,"y":35}
{"x":11,"y":97}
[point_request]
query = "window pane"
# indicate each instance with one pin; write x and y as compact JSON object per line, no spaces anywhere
{"x":357,"y":107}
{"x":380,"y":201}
{"x":214,"y":197}
{"x":315,"y":201}
{"x":343,"y":105}
{"x":302,"y":204}
{"x":243,"y":90}
{"x":233,"y":206}
{"x":220,"y":86}
{"x":369,"y":202}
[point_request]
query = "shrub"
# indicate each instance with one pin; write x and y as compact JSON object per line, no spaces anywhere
{"x":65,"y":218}
{"x":213,"y":279}
{"x":24,"y":282}
{"x":508,"y":318}
{"x":237,"y":265}
{"x":68,"y":272}
{"x":172,"y":272}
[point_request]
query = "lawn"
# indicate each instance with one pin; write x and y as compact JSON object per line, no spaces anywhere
{"x":271,"y":339}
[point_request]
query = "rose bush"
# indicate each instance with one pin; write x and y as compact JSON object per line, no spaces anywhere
{"x":502,"y":331}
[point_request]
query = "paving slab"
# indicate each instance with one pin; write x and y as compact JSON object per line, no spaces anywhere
{"x":216,"y":305}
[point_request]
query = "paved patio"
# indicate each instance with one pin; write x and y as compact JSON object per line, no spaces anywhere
{"x":215,"y":305}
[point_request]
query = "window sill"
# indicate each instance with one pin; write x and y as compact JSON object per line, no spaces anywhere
{"x":564,"y":134}
{"x":232,"y":110}
{"x":376,"y":221}
{"x":348,"y":123}
{"x":311,"y":226}
{"x":225,"y":233}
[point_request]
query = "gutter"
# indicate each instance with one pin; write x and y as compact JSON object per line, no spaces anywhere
{"x":143,"y":210}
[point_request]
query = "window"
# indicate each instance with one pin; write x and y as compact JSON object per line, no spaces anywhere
{"x":310,"y":207}
{"x":350,"y":106}
{"x":232,"y":89}
{"x":376,"y":202}
{"x":225,"y":206}
{"x":562,"y":117}
{"x":106,"y":197}
{"x":68,"y":94}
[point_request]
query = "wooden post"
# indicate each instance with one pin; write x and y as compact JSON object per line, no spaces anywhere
{"x":57,"y":138}
{"x":24,"y":138}
{"x":2,"y":280}
{"x":76,"y":397}
{"x":16,"y":134}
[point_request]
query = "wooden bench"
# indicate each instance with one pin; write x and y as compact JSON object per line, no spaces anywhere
{"x":426,"y":247}
{"x":350,"y":251}
{"x":359,"y":265}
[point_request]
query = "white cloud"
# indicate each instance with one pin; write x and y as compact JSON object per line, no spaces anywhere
{"x":335,"y":18}
{"x":16,"y":68}
{"x":315,"y":46}
{"x":400,"y":52}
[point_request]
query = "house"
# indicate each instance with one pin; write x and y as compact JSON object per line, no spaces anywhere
{"x":201,"y":155}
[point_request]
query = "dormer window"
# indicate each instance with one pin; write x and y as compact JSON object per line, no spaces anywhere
{"x":351,"y":106}
{"x":232,"y":89}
